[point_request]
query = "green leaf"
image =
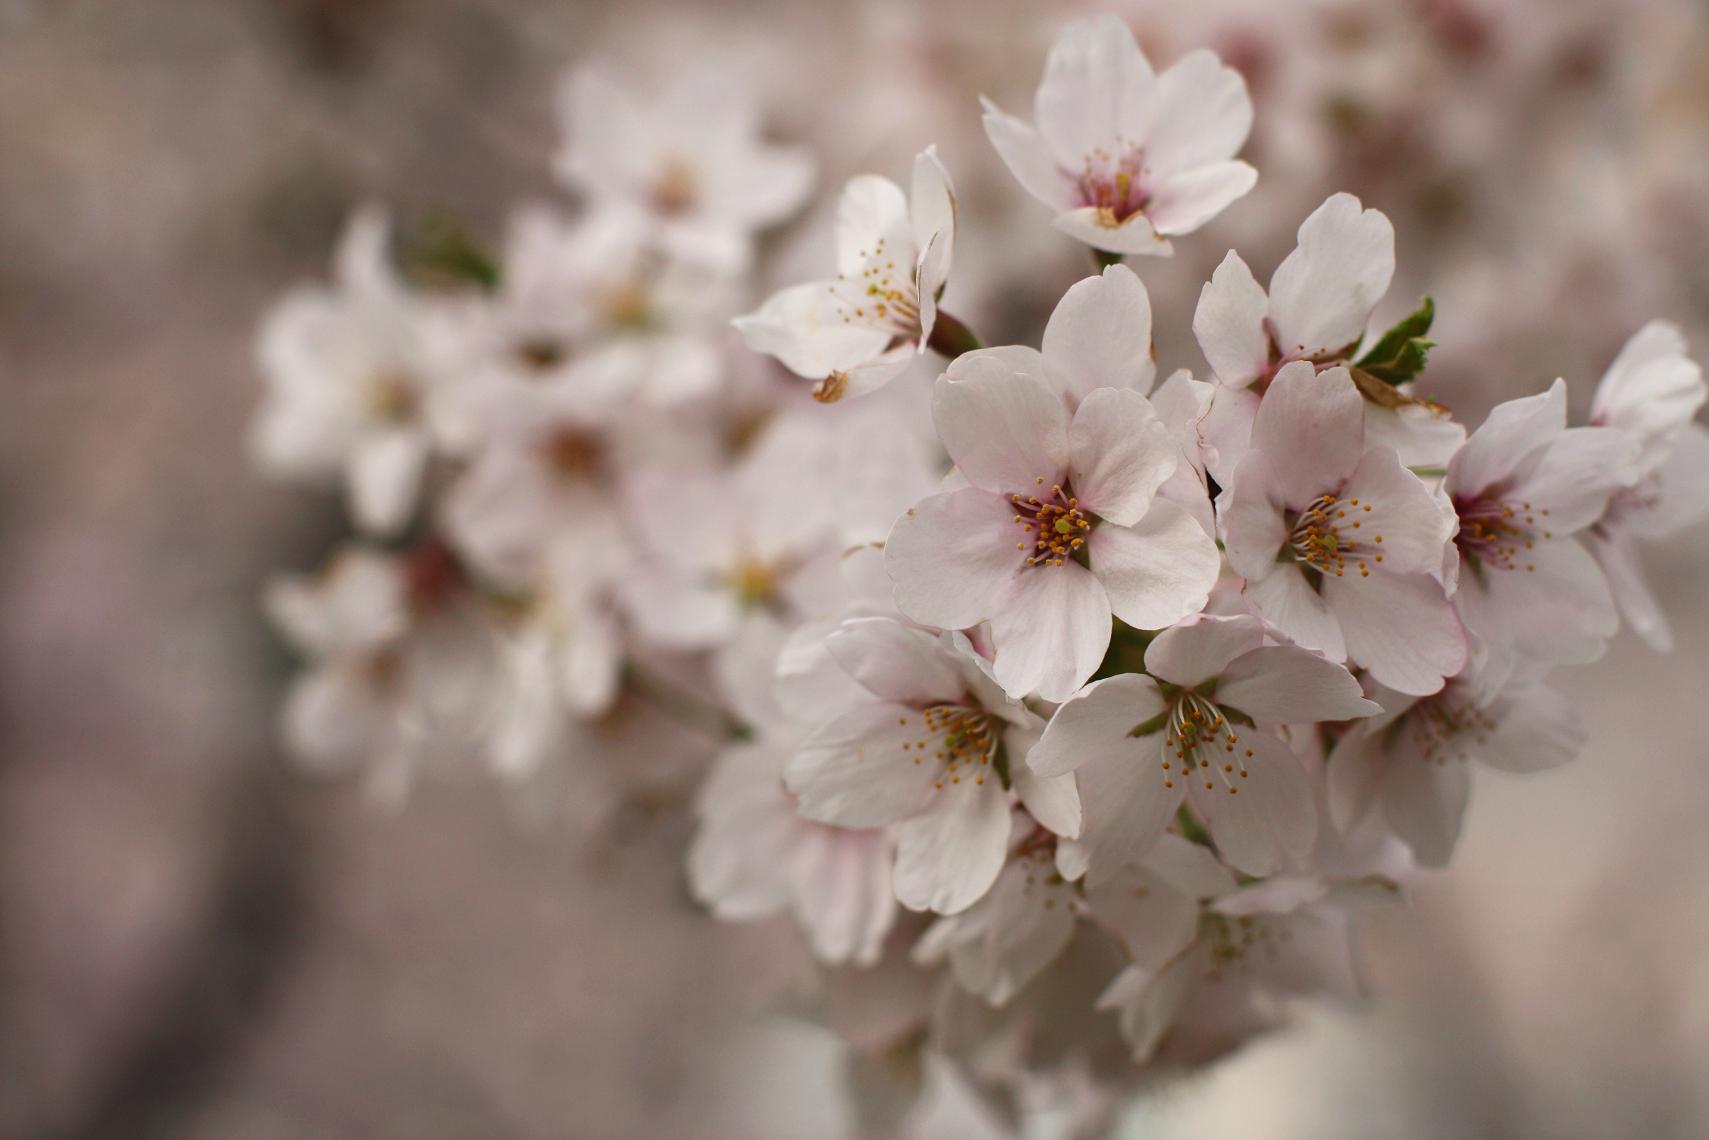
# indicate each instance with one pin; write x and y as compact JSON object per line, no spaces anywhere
{"x":442,"y":252}
{"x":1399,"y":354}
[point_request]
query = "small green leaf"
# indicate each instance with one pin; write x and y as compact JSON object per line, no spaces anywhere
{"x":1399,"y":354}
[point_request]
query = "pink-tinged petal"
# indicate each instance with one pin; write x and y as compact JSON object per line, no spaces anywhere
{"x":861,"y":769}
{"x":1201,"y":648}
{"x":747,"y":835}
{"x":591,"y":664}
{"x":1099,"y":336}
{"x":1399,"y":627}
{"x":1508,"y":441}
{"x":1226,"y":430}
{"x":867,"y":378}
{"x":1127,"y":800}
{"x":1681,"y":487}
{"x":1322,"y":294}
{"x":843,"y":896}
{"x":1203,"y":114}
{"x":1284,"y":684}
{"x":1354,"y":775}
{"x":1051,"y":631}
{"x":1286,"y":600}
{"x":1576,"y":477}
{"x":871,"y":210}
{"x":1229,"y":323}
{"x":805,"y":328}
{"x":1537,"y":728}
{"x":1028,"y":159}
{"x":1157,"y":571}
{"x":385,"y":477}
{"x":895,"y":662}
{"x":1425,"y":803}
{"x":1311,"y":427}
{"x":1271,"y":821}
{"x":1422,"y":435}
{"x":331,"y":721}
{"x":1652,"y":389}
{"x":1098,"y":720}
{"x":764,"y":187}
{"x":1097,"y":86}
{"x":948,"y":856}
{"x":931,"y":211}
{"x":1000,"y":421}
{"x":1131,"y":237}
{"x":952,"y":558}
{"x":1147,"y":1004}
{"x":680,"y":609}
{"x":1119,"y":454}
{"x":1254,"y":519}
{"x":1181,"y":203}
{"x":1405,"y":523}
{"x":1555,"y":607}
{"x":1052,"y":800}
{"x":1618,"y":558}
{"x":1190,"y":868}
{"x":1154,"y":921}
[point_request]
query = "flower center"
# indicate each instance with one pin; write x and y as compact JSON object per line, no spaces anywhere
{"x":1115,"y":184}
{"x":881,"y":295}
{"x":756,"y":583}
{"x":960,"y":738}
{"x":1055,"y":525}
{"x":1496,"y":533}
{"x":540,"y":353}
{"x":1200,"y":739}
{"x":1231,"y":939}
{"x":573,"y":453}
{"x":1324,"y":537}
{"x":675,"y":190}
{"x":1446,"y":727}
{"x":391,"y":397}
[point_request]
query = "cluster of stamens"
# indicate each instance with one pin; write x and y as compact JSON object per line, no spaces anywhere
{"x":959,"y":737}
{"x":675,"y":190}
{"x":1446,"y":728}
{"x":1230,"y":939}
{"x":1200,"y":739}
{"x":879,"y":295}
{"x":1114,"y":183}
{"x":1056,"y":526}
{"x":1497,"y":533}
{"x":391,"y":396}
{"x":1323,"y":537}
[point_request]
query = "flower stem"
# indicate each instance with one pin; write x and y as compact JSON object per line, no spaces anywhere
{"x":951,"y":338}
{"x":1102,"y":259}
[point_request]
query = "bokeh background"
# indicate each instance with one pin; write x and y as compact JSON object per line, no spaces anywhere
{"x":198,"y":941}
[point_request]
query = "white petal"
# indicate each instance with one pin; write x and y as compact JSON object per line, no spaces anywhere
{"x":1508,"y":440}
{"x":1425,"y":803}
{"x":1286,"y":600}
{"x":1271,"y":820}
{"x":1653,"y":389}
{"x":1119,"y":454}
{"x":1399,"y":627}
{"x":931,"y":211}
{"x":872,"y":210}
{"x":1181,"y":203}
{"x":1147,"y":1004}
{"x":1000,"y":422}
{"x":1051,"y":631}
{"x":385,"y":476}
{"x":1028,"y":159}
{"x":1284,"y":684}
{"x":1158,"y":571}
{"x":1134,"y":236}
{"x":1555,"y":608}
{"x":860,"y":770}
{"x":948,"y":857}
{"x":1127,"y":799}
{"x":332,"y":721}
{"x":804,"y":326}
{"x":1097,"y":86}
{"x":895,"y":662}
{"x":1355,"y":773}
{"x":1099,"y":335}
{"x":1203,"y":114}
{"x":1537,"y":728}
{"x":1154,"y":921}
{"x":1201,"y":647}
{"x":1576,"y":477}
{"x":1254,"y":517}
{"x":1311,"y":427}
{"x":1322,"y":294}
{"x":952,"y":557}
{"x":1229,"y":323}
{"x":1404,"y":522}
{"x":1098,"y":720}
{"x":1052,"y":800}
{"x":842,"y":895}
{"x":1618,"y":558}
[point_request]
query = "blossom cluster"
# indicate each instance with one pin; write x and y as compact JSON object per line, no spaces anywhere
{"x":1077,"y":706}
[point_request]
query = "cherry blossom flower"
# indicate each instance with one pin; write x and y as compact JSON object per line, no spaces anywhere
{"x":1152,"y":905}
{"x":1337,"y":541}
{"x":1319,"y":303}
{"x":1412,"y":759}
{"x":689,"y":164}
{"x":352,"y":373}
{"x":1141,"y":745}
{"x":1126,"y":157}
{"x":1059,"y":526}
{"x":1652,"y":393}
{"x":1000,"y":943}
{"x":1254,"y":947}
{"x":856,"y":333}
{"x":1523,"y":486}
{"x":928,"y":750}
